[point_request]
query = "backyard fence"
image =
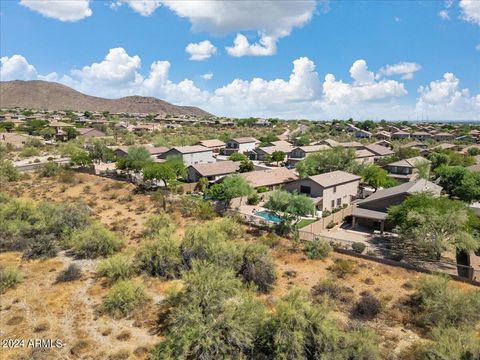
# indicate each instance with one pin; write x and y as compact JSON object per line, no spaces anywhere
{"x":321,"y":224}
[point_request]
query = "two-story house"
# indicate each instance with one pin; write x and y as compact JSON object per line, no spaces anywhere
{"x":405,"y":170}
{"x":330,"y":190}
{"x":191,"y":155}
{"x":212,"y":171}
{"x":242,"y":145}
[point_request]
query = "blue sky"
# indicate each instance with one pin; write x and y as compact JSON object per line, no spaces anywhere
{"x":385,"y":59}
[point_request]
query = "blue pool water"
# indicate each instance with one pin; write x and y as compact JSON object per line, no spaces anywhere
{"x":269,"y":216}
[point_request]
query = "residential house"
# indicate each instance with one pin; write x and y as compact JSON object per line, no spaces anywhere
{"x":420,"y":146}
{"x":261,"y":152}
{"x":364,"y":156}
{"x":330,"y":190}
{"x":421,"y":135}
{"x":399,"y":135}
{"x":372,"y":211}
{"x":212,"y":171}
{"x":215,"y":145}
{"x":363,"y":134}
{"x":466,"y":138}
{"x":405,"y":170}
{"x":270,"y":178}
{"x":351,"y":128}
{"x":242,"y":145}
{"x":155,"y":151}
{"x":379,"y":151}
{"x":447,"y":146}
{"x":443,"y":136}
{"x":384,"y":143}
{"x":191,"y":155}
{"x":351,"y":145}
{"x":300,"y":152}
{"x":329,"y":142}
{"x":89,"y":133}
{"x":383,"y":135}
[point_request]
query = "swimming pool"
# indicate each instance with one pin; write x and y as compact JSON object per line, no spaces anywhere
{"x":269,"y":216}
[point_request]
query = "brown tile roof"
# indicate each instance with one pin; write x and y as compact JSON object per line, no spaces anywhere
{"x":269,"y":177}
{"x":334,"y":178}
{"x":412,"y":162}
{"x":379,"y":150}
{"x":211,"y":143}
{"x":363,"y":153}
{"x":191,"y":149}
{"x":313,"y":148}
{"x":217,"y":168}
{"x":244,"y":140}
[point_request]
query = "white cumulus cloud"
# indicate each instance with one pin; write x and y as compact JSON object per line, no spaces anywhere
{"x":16,"y":67}
{"x":201,"y":51}
{"x":207,"y":76}
{"x":142,"y":7}
{"x":63,"y":10}
{"x":363,"y":89}
{"x":470,"y":11}
{"x":444,"y":97}
{"x":405,"y":69}
{"x":270,"y":18}
{"x":444,"y":14}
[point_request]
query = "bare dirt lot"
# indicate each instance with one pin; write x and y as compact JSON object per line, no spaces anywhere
{"x":41,"y":308}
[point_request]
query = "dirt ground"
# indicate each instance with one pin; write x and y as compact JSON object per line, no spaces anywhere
{"x":40,"y":308}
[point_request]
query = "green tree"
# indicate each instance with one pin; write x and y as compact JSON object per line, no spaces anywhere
{"x":376,"y":177}
{"x":423,"y":169}
{"x":337,"y":158}
{"x":246,"y":166}
{"x":99,"y":151}
{"x":71,"y":133}
{"x":427,"y":226}
{"x":7,"y":126}
{"x":236,"y":156}
{"x":278,"y":156}
{"x":176,"y":162}
{"x":164,"y":172}
{"x":137,"y":158}
{"x":459,"y":182}
{"x":438,"y":159}
{"x":231,"y":187}
{"x":267,"y":139}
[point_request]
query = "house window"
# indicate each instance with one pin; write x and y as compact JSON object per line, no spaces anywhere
{"x":339,"y":202}
{"x":333,"y":204}
{"x":305,"y":189}
{"x":335,"y":189}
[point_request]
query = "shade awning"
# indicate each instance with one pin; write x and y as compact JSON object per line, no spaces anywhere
{"x":369,"y":214}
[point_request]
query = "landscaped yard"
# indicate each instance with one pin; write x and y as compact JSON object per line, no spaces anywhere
{"x":305,"y":222}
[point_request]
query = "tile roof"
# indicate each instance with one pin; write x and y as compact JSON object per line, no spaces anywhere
{"x":243,"y":140}
{"x":334,"y":178}
{"x":412,"y":162}
{"x":211,"y":143}
{"x":217,"y":168}
{"x":379,"y":150}
{"x":191,"y":149}
{"x":270,"y":177}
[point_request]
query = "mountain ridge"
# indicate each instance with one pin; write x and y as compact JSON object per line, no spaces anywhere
{"x":45,"y":95}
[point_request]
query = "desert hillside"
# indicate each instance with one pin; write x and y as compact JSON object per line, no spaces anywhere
{"x":44,"y":95}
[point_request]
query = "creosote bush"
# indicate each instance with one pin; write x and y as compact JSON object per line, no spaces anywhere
{"x":95,"y":241}
{"x":71,"y":273}
{"x":358,"y":247}
{"x":437,"y":303}
{"x":258,"y":267}
{"x":123,"y":298}
{"x":159,"y":224}
{"x":367,"y":308}
{"x":10,"y":277}
{"x":160,"y":257}
{"x":343,"y":267}
{"x":117,"y":267}
{"x":49,"y":169}
{"x":317,"y":249}
{"x":41,"y":247}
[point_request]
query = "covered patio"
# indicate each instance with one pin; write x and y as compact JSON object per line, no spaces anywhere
{"x":369,"y":217}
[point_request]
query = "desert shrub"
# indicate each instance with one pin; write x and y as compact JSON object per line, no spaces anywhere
{"x":123,"y":298}
{"x":10,"y":277}
{"x":331,"y":289}
{"x":258,"y":267}
{"x":229,"y":226}
{"x":326,"y":213}
{"x":205,"y":210}
{"x":449,"y":343}
{"x":368,"y":307}
{"x":253,"y":199}
{"x":358,"y":247}
{"x":262,"y":189}
{"x":272,"y":240}
{"x":160,"y":257}
{"x":41,"y":247}
{"x":317,"y":249}
{"x":66,"y":218}
{"x":196,"y":207}
{"x":49,"y":169}
{"x":343,"y":267}
{"x":67,"y":176}
{"x":95,"y":241}
{"x":210,"y":242}
{"x":211,"y":317}
{"x":117,"y":267}
{"x":29,"y":151}
{"x":331,"y":225}
{"x":437,"y":303}
{"x":298,"y":329}
{"x":71,"y":273}
{"x":8,"y":172}
{"x":161,"y":224}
